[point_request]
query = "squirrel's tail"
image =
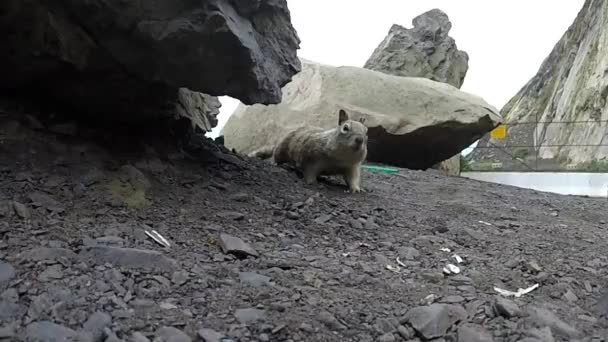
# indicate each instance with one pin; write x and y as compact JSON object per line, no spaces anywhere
{"x":262,"y":152}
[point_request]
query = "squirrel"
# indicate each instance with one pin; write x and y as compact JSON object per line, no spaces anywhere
{"x":315,"y":151}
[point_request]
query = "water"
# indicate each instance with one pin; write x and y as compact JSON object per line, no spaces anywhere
{"x":564,"y":183}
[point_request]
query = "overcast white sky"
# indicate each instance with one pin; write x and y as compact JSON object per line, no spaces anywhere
{"x":506,"y":40}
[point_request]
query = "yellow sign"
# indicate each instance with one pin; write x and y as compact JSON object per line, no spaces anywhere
{"x":499,"y":132}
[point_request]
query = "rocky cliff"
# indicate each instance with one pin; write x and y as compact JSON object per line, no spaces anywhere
{"x":563,"y":104}
{"x":137,"y":61}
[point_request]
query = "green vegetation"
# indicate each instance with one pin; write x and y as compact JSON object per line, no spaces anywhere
{"x":599,"y":166}
{"x":521,"y":153}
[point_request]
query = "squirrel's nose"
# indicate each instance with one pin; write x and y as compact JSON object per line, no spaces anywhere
{"x":359,"y":140}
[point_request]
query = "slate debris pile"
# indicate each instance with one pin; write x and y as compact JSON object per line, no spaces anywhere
{"x":289,"y":262}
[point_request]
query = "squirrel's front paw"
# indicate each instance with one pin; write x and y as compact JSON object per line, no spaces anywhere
{"x":356,"y":190}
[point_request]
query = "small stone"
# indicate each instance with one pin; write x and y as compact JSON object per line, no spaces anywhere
{"x":180,"y":277}
{"x":254,"y":279}
{"x":434,"y":320}
{"x":210,"y":335}
{"x":473,"y":333}
{"x":541,"y":335}
{"x":408,"y":253}
{"x":570,"y":296}
{"x":21,"y":210}
{"x":506,"y":308}
{"x":433,"y":277}
{"x":307,"y":328}
{"x":250,"y":315}
{"x":45,"y":331}
{"x":534,"y":267}
{"x":167,"y":306}
{"x":292,"y":215}
{"x":233,"y":245}
{"x":544,"y":317}
{"x":139,"y":337}
{"x":46,"y":201}
{"x":240,"y":197}
{"x":231,"y":215}
{"x":96,"y":324}
{"x":8,"y":331}
{"x":330,"y":321}
{"x":452,"y":299}
{"x":128,"y":258}
{"x":388,"y":337}
{"x":323,"y":219}
{"x":461,"y":280}
{"x":264,"y":338}
{"x":7,"y":272}
{"x":52,"y":272}
{"x":171,"y":334}
{"x":407,"y":333}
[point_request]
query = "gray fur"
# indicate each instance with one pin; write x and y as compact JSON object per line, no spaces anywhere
{"x":316,"y":151}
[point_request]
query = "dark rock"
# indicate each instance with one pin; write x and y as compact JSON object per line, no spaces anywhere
{"x":170,"y":334}
{"x":434,"y":320}
{"x":254,"y":279}
{"x":425,"y":50}
{"x":96,"y":325}
{"x":129,"y":258}
{"x":7,"y":272}
{"x":544,"y":317}
{"x":249,"y":315}
{"x":233,"y":245}
{"x":473,"y":333}
{"x":210,"y":335}
{"x":506,"y":308}
{"x":129,"y":62}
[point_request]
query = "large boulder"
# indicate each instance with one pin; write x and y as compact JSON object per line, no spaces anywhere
{"x":129,"y":60}
{"x":413,"y":122}
{"x":425,"y":50}
{"x":557,"y":120}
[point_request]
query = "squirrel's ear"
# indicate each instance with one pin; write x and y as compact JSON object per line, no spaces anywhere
{"x":362,"y":120}
{"x":342,"y":116}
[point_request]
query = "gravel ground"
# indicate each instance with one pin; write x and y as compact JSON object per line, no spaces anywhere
{"x":256,"y":255}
